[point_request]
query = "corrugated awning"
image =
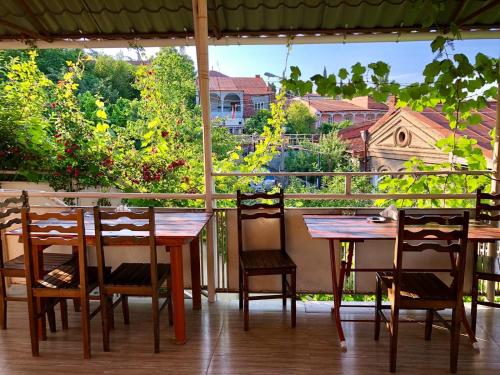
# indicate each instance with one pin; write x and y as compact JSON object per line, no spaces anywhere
{"x":249,"y":21}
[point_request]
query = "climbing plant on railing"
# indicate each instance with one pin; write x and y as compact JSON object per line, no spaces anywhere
{"x":454,"y":85}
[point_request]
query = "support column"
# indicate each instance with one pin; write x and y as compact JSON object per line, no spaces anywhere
{"x":200,"y":22}
{"x":495,"y":187}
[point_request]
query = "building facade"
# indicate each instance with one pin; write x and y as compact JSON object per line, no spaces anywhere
{"x":235,"y":99}
{"x":402,"y":134}
{"x":358,"y":110}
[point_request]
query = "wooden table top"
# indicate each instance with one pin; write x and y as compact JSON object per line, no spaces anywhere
{"x":337,"y":227}
{"x":172,"y":228}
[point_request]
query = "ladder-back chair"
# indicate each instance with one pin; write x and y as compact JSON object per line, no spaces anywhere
{"x":130,"y":279}
{"x":486,"y":267}
{"x":71,"y":280}
{"x":422,"y":289}
{"x":264,"y":262}
{"x":10,"y":215}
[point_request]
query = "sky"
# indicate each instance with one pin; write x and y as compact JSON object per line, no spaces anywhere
{"x":407,"y":59}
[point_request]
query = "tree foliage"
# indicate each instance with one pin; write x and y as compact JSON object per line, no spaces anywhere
{"x":299,"y":119}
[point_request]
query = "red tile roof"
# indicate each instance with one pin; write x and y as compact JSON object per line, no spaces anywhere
{"x":352,"y":136}
{"x":249,"y":85}
{"x":333,"y":105}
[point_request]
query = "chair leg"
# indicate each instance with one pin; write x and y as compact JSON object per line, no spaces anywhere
{"x":111,"y":313}
{"x":293,"y":298}
{"x":429,"y":320}
{"x":105,"y":321}
{"x":125,"y":310}
{"x":473,"y":308}
{"x":240,"y":288}
{"x":85,"y":317}
{"x":33,"y":323}
{"x":156,"y":321}
{"x":169,"y":301}
{"x":455,"y":338}
{"x":51,"y":316}
{"x":76,"y":304}
{"x":378,"y":307}
{"x":394,"y":326}
{"x":245,"y":301}
{"x":283,"y":289}
{"x":3,"y":303}
{"x":64,"y":313}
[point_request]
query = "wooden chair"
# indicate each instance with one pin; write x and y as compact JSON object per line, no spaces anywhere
{"x":71,"y":280}
{"x":264,"y":262}
{"x":10,"y":213}
{"x":486,"y":268}
{"x":421,"y":289}
{"x":130,"y":279}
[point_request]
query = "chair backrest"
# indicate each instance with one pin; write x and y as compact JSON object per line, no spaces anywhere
{"x":125,"y":228}
{"x":486,"y":211}
{"x":259,"y":209}
{"x":10,"y":214}
{"x":12,"y":206}
{"x":52,"y":228}
{"x":438,"y":233}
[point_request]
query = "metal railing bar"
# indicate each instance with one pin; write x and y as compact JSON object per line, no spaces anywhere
{"x":385,"y":173}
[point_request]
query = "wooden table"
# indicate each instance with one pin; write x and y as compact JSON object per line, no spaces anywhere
{"x":352,"y":229}
{"x":173,"y":230}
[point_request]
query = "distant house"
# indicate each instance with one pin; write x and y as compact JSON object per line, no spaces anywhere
{"x":235,"y":99}
{"x":402,"y":134}
{"x":358,"y":110}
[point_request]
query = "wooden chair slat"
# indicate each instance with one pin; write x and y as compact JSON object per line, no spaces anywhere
{"x":125,"y":226}
{"x":488,"y":207}
{"x":258,"y":206}
{"x":10,"y":211}
{"x":66,"y":216}
{"x":455,"y":247}
{"x":10,"y":223}
{"x":434,"y":219}
{"x":487,"y":217}
{"x":251,"y":196}
{"x":52,"y":240}
{"x":45,"y":228}
{"x":7,"y":202}
{"x":135,"y":215}
{"x":432,"y":234}
{"x":488,"y":195}
{"x":265,"y":215}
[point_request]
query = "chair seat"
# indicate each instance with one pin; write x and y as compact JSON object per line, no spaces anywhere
{"x":255,"y":260}
{"x":419,"y":286}
{"x":67,"y":276}
{"x":50,"y":261}
{"x":136,"y":274}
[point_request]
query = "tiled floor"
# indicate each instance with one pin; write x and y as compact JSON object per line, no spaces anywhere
{"x":217,"y":344}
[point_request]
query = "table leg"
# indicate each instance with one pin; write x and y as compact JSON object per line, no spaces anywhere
{"x":337,"y":295}
{"x":468,"y":329}
{"x":178,"y":294}
{"x":194,"y":249}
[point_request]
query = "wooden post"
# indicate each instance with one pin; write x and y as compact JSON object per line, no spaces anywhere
{"x":200,"y":22}
{"x":495,"y":187}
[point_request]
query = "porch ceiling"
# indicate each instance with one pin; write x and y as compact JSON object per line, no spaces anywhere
{"x":48,"y":22}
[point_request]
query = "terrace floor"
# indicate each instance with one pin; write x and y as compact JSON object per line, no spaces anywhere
{"x":217,"y":344}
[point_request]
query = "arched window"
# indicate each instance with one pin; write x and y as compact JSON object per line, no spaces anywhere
{"x":232,"y":103}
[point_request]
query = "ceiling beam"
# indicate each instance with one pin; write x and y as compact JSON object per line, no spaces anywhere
{"x":487,"y":7}
{"x":33,"y":34}
{"x":187,"y":39}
